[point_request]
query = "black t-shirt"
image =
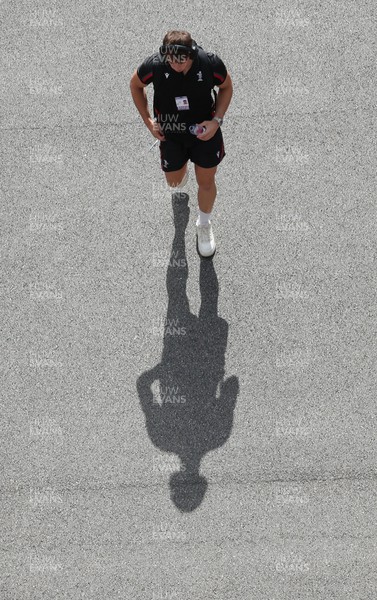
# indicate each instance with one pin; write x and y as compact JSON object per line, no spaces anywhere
{"x":181,"y":100}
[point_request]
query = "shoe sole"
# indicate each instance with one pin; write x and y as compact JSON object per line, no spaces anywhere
{"x":201,"y":255}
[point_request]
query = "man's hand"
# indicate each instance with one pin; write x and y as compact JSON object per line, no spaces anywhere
{"x":211,"y":128}
{"x":155,"y":129}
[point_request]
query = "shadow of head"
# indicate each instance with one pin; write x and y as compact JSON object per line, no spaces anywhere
{"x":187,"y":490}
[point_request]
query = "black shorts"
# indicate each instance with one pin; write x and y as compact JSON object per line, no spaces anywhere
{"x":175,"y":153}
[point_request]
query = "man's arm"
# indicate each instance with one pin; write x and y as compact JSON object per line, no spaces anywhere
{"x":141,"y":102}
{"x":222,"y":102}
{"x":140,"y":97}
{"x":224,"y":96}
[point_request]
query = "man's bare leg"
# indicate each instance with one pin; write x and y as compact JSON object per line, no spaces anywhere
{"x":174,"y":178}
{"x":207,"y":187}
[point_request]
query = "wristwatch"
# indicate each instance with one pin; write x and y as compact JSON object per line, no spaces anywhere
{"x":219,"y":120}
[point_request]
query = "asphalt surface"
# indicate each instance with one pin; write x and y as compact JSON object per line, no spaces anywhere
{"x":175,"y":428}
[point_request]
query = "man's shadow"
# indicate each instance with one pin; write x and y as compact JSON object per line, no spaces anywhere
{"x":191,"y":411}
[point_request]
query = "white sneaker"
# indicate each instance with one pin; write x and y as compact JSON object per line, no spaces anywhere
{"x":180,"y":185}
{"x":205,"y":240}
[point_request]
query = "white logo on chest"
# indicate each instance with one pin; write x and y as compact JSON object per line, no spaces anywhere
{"x":167,"y":75}
{"x":200,"y":76}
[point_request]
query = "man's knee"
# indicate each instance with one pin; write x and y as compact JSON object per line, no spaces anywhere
{"x":206,"y":183}
{"x":174,"y":178}
{"x":205,"y":177}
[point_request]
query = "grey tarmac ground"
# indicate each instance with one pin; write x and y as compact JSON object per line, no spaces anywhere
{"x":175,"y":428}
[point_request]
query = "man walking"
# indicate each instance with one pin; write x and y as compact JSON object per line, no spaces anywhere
{"x":183,"y":76}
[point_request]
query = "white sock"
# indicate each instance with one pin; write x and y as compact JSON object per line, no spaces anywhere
{"x":203,"y":218}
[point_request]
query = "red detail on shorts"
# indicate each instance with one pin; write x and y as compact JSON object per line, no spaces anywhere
{"x":220,"y":77}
